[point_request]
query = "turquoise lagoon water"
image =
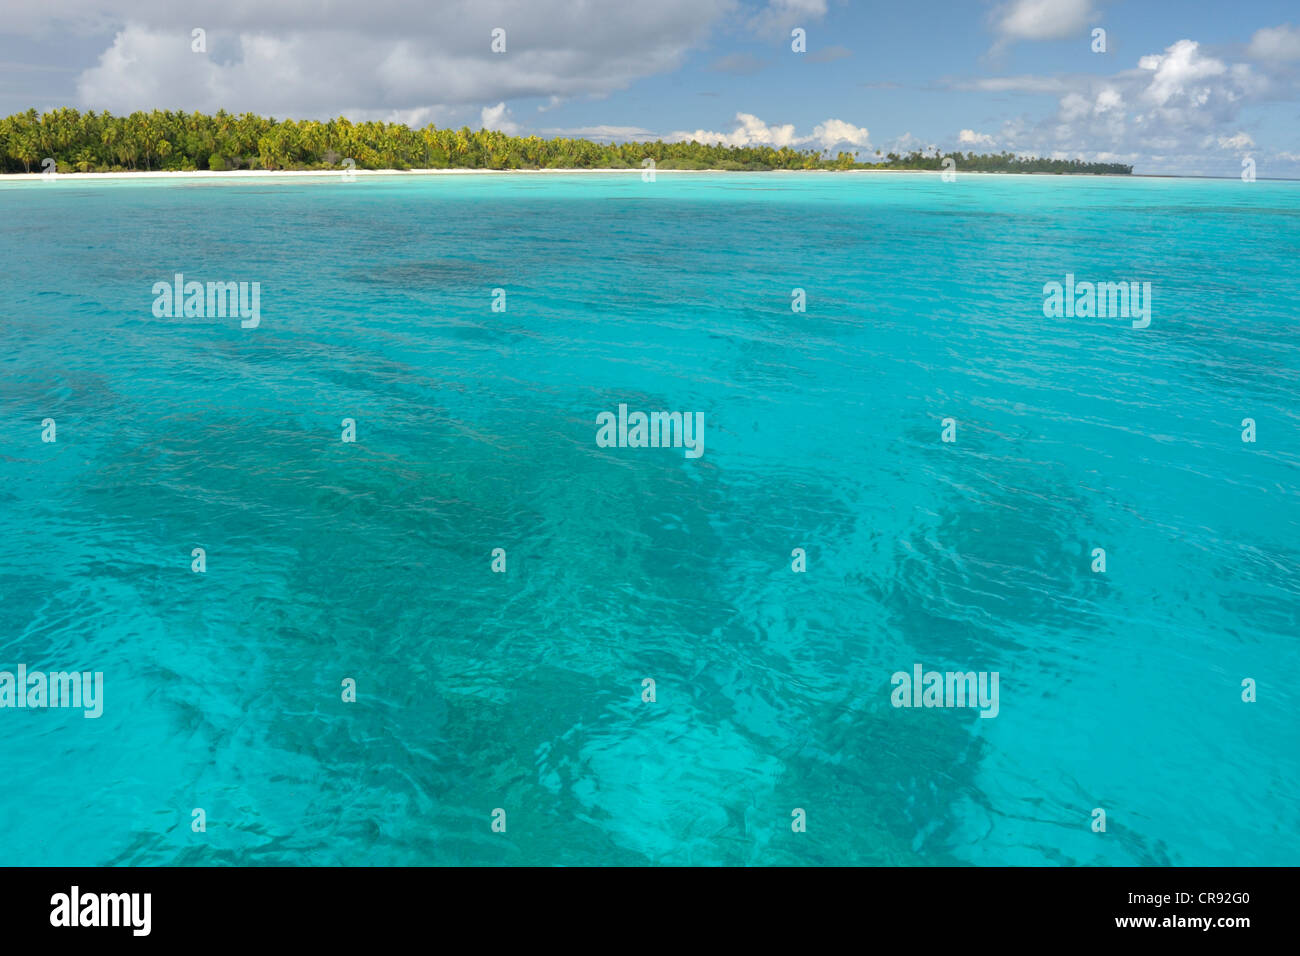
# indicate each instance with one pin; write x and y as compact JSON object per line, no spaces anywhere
{"x":476,"y":430}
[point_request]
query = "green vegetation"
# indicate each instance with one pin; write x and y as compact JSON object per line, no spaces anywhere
{"x":101,"y":142}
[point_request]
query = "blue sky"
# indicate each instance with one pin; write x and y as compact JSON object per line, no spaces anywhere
{"x":1182,"y":87}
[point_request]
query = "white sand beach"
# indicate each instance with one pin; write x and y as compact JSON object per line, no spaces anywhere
{"x":334,"y":173}
{"x":265,"y":174}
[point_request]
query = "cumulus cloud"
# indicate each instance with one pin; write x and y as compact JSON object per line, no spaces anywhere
{"x":1170,"y":102}
{"x":1176,"y":110}
{"x":1275,"y":43}
{"x":835,"y":132}
{"x":968,"y":137}
{"x":752,"y":131}
{"x":1181,"y":71}
{"x":498,"y":118}
{"x":1041,"y":19}
{"x":1108,"y":100}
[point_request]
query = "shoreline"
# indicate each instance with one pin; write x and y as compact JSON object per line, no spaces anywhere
{"x":466,"y":171}
{"x":269,"y":174}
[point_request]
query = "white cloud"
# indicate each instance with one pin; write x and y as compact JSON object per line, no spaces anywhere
{"x":1275,"y":43}
{"x":1170,"y":103}
{"x":752,"y":131}
{"x":414,"y":118}
{"x":780,"y":16}
{"x":498,"y":118}
{"x":1108,"y":99}
{"x":1017,"y":84}
{"x":1042,"y":19}
{"x":1180,"y":74}
{"x":1238,"y":142}
{"x":1180,"y":110}
{"x":835,"y":132}
{"x":968,"y":137}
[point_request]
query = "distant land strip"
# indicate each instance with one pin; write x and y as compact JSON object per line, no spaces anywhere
{"x":64,"y":140}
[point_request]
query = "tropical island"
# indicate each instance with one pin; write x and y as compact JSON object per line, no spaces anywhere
{"x":161,"y":140}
